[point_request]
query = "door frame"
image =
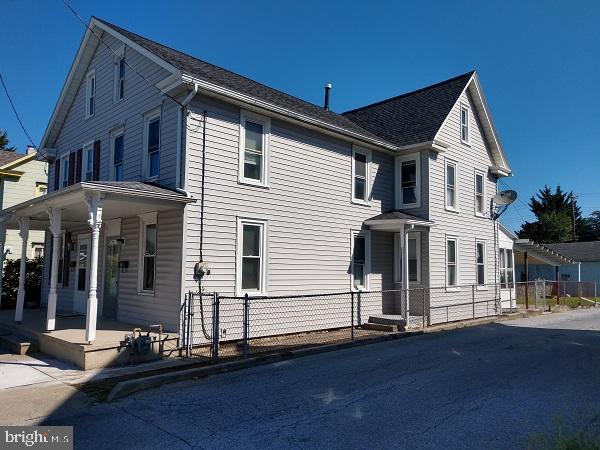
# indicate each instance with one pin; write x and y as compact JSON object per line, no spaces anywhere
{"x":76,"y":291}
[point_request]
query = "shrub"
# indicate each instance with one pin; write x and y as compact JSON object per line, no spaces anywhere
{"x":33,"y":281}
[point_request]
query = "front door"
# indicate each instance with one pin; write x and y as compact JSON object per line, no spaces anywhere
{"x":111,"y":280}
{"x":82,"y":275}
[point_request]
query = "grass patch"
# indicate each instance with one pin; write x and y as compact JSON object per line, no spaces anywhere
{"x":565,"y":438}
{"x":572,"y":302}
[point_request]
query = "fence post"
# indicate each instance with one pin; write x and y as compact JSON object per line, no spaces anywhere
{"x":190,"y":323}
{"x":358,"y":308}
{"x":352,"y":315}
{"x":185,"y":325}
{"x":423,"y":299}
{"x":216,"y":326}
{"x":473,"y":298}
{"x":510,"y":292}
{"x":245,"y":338}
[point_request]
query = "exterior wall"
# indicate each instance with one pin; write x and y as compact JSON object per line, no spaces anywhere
{"x":139,"y":98}
{"x":590,"y":272}
{"x":308,"y":206}
{"x":464,"y":224}
{"x":508,"y":296}
{"x":133,"y":307}
{"x":17,"y":190}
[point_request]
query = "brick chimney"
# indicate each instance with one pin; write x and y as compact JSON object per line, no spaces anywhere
{"x":31,"y":149}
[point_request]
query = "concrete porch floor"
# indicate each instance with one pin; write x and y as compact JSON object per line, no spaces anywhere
{"x":68,"y":343}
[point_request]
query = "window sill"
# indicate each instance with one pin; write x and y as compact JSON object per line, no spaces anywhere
{"x":251,"y":294}
{"x":481,"y":288}
{"x":89,"y":117}
{"x":452,"y":210}
{"x":248,"y":182}
{"x":146,"y":293}
{"x":483,"y":216}
{"x":467,"y":143}
{"x":358,"y":202}
{"x":409,"y":206}
{"x":452,"y":289}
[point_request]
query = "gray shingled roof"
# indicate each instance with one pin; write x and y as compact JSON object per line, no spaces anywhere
{"x":7,"y":157}
{"x":414,"y":117}
{"x":395,"y":214}
{"x":238,"y":83}
{"x":578,"y":251}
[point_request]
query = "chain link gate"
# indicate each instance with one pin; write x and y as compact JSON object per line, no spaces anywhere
{"x":200,"y":325}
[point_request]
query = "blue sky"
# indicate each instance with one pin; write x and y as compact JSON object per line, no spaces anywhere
{"x":539,"y":63}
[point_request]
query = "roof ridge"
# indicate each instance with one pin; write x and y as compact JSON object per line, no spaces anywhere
{"x":370,"y":105}
{"x":212,"y":64}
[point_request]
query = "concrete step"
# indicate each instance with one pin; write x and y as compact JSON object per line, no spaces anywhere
{"x":388,"y":319}
{"x":18,"y":345}
{"x":379,"y":327}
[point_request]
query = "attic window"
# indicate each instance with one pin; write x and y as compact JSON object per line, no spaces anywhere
{"x":90,"y":94}
{"x":119,"y":75}
{"x":464,"y":124}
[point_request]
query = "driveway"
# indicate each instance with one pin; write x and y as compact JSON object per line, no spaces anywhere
{"x":491,"y":386}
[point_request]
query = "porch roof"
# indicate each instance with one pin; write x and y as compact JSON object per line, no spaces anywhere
{"x":120,"y":199}
{"x":394,"y":219}
{"x":541,"y":252}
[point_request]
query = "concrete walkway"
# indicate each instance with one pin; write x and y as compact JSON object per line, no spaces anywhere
{"x":491,"y":386}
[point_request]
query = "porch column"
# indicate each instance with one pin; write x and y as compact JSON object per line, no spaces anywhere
{"x":405,"y":270}
{"x":557,"y":270}
{"x":2,"y":242}
{"x":526,"y":280}
{"x":24,"y":233}
{"x":94,"y":204}
{"x":54,"y":215}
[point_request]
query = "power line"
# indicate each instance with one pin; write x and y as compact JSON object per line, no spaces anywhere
{"x":15,"y":111}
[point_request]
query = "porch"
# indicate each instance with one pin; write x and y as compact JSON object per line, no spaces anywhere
{"x":98,"y":235}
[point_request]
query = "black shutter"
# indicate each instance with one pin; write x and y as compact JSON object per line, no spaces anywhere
{"x":71,"y":168}
{"x":96,"y":174}
{"x":78,"y":167}
{"x":56,"y":174}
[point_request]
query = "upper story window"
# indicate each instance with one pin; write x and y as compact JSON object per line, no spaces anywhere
{"x":255,"y":133}
{"x":451,"y":262}
{"x":465,"y":128}
{"x":451,"y":190}
{"x":117,"y":148}
{"x":87,"y":166}
{"x":479,"y":194}
{"x":147,"y":259}
{"x":480,"y":257}
{"x":119,"y":75}
{"x":408,"y":181}
{"x":64,"y":171}
{"x":361,"y":179}
{"x":90,"y":94}
{"x":251,"y":260}
{"x":361,"y":256}
{"x":414,"y":258}
{"x":152,"y":143}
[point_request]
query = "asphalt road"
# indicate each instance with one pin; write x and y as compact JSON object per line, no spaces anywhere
{"x":491,"y":386}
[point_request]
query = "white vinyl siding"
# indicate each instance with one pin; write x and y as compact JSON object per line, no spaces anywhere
{"x":361,"y":179}
{"x":451,"y":185}
{"x":479,"y":193}
{"x":255,"y":134}
{"x":251,"y":257}
{"x":90,"y":94}
{"x":152,"y":132}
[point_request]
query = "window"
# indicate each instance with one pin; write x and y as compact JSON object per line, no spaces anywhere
{"x":361,"y":180}
{"x":147,"y":260}
{"x":408,"y":184}
{"x":506,"y":268}
{"x":119,"y":75}
{"x":464,"y":124}
{"x":37,"y":250}
{"x":480,"y":256}
{"x":87,"y":166}
{"x":61,"y":260}
{"x":152,"y":144}
{"x":451,"y":196}
{"x":255,"y":134}
{"x":251,"y":264}
{"x":361,"y":260}
{"x":117,"y":148}
{"x":451,"y":265}
{"x":90,"y":94}
{"x":414,"y":258}
{"x":41,"y":189}
{"x":64,"y":172}
{"x":479,"y":194}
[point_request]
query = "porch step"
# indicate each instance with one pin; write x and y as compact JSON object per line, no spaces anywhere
{"x":18,"y":345}
{"x":379,"y":327}
{"x":388,"y":319}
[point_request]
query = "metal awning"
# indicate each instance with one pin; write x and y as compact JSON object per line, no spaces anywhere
{"x":119,"y":199}
{"x":541,"y":252}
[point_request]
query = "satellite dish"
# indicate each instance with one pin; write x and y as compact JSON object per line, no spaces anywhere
{"x":505,"y":197}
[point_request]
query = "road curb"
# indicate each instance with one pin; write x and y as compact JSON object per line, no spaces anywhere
{"x":127,"y":387}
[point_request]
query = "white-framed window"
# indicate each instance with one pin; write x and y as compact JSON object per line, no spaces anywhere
{"x":451,"y":185}
{"x":361,"y":175}
{"x":119,"y":75}
{"x":117,"y":151}
{"x":479,"y":193}
{"x":40,"y":189}
{"x":90,"y":94}
{"x":64,"y":171}
{"x":87,"y":162}
{"x":480,"y":262}
{"x":152,"y":128}
{"x":361,"y":259}
{"x":465,"y":127}
{"x":251,"y":263}
{"x":255,"y":136}
{"x":414,"y":258}
{"x":147,"y":256}
{"x":408,"y":181}
{"x":37,"y":250}
{"x":451,"y":262}
{"x":507,"y":275}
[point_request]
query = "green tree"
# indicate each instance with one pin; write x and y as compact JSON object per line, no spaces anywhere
{"x":4,"y":142}
{"x":554,"y":217}
{"x":592,"y":229}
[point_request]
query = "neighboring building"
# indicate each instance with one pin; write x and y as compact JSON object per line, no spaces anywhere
{"x":22,"y":177}
{"x":586,"y":253}
{"x":506,"y":268}
{"x":278,"y":195}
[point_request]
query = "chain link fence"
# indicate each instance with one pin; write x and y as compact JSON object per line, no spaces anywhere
{"x":542,"y":294}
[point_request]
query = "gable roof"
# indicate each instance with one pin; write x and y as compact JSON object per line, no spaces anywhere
{"x":7,"y":157}
{"x":579,"y":251}
{"x":414,"y":117}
